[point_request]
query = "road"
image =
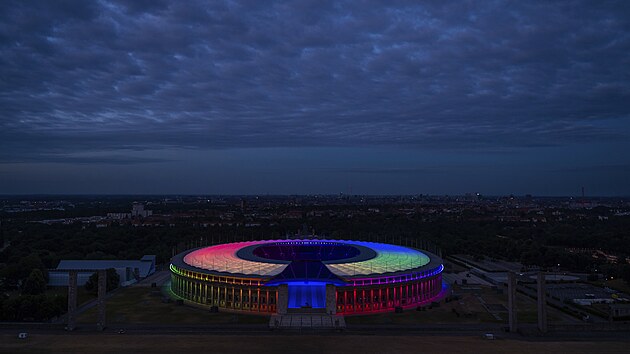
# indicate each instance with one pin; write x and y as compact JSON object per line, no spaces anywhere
{"x":159,"y":277}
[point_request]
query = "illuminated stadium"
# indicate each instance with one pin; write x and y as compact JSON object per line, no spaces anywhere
{"x":284,"y":276}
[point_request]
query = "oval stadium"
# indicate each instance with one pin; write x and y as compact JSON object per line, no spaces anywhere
{"x":328,"y":276}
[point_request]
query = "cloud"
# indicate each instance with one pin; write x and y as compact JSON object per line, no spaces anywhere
{"x":88,"y":159}
{"x":392,"y":171}
{"x":617,"y":169}
{"x":116,"y":75}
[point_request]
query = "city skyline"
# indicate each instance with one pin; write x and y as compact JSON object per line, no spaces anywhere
{"x":372,"y":98}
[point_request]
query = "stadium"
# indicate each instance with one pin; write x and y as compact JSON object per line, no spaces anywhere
{"x":298,"y":276}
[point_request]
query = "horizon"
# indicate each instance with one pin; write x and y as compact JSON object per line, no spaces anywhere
{"x":322,"y":195}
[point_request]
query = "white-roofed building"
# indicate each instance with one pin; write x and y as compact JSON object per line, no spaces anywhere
{"x":130,"y":271}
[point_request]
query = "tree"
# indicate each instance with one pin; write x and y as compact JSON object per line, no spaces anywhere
{"x":113,"y":280}
{"x":625,"y":273}
{"x":30,"y":262}
{"x":35,"y":284}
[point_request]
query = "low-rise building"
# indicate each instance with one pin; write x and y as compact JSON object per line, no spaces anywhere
{"x":130,"y":271}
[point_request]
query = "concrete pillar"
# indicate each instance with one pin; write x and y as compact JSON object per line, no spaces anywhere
{"x":283,"y":299}
{"x":331,"y":299}
{"x":610,"y":314}
{"x":542,"y":303}
{"x":512,"y":302}
{"x":100,"y":301}
{"x":72,"y":299}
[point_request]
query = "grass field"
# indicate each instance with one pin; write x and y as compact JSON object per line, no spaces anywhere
{"x":83,"y":295}
{"x":303,"y":344}
{"x":617,"y":284}
{"x":144,"y":305}
{"x":468,"y":304}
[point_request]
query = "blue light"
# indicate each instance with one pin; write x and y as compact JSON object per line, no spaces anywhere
{"x":305,"y":294}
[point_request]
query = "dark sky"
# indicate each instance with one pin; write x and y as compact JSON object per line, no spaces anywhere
{"x":258,"y":97}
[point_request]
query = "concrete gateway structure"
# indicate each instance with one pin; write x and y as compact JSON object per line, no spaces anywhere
{"x":297,"y":276}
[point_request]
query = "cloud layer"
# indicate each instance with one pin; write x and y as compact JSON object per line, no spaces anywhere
{"x":80,"y":76}
{"x":390,"y":96}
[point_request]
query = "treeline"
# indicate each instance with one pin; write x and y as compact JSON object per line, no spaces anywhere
{"x":42,"y":307}
{"x":32,"y":303}
{"x":38,"y":246}
{"x":531,"y":243}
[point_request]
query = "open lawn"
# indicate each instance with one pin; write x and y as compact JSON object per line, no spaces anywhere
{"x":83,"y":295}
{"x":617,"y":284}
{"x":303,"y":344}
{"x":143,"y":305}
{"x":469,"y":307}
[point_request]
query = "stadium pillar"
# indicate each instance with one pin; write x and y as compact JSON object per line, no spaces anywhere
{"x":542,"y":303}
{"x":331,"y":299}
{"x":72,"y":299}
{"x":283,"y":299}
{"x":102,"y":290}
{"x":512,"y":302}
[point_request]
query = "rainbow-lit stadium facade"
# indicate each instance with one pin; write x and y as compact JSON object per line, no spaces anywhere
{"x":332,"y":276}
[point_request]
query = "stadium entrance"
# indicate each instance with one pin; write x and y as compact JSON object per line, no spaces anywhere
{"x":307,"y":295}
{"x":306,"y":281}
{"x":306,"y":275}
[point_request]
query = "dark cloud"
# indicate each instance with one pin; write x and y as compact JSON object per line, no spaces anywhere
{"x":111,"y":75}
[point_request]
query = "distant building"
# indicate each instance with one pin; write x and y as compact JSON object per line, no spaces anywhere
{"x":130,"y":271}
{"x":119,"y":216}
{"x":137,"y":210}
